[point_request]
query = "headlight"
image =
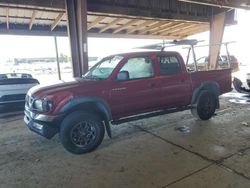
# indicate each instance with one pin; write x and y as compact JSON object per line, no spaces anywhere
{"x":42,"y":105}
{"x":38,"y":105}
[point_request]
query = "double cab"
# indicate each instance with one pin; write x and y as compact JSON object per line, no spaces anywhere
{"x":118,"y":89}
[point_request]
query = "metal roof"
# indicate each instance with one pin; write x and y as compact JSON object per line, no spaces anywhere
{"x":99,"y":24}
{"x":240,"y":4}
{"x":108,"y":18}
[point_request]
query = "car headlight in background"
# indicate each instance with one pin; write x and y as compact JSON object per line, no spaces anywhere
{"x":42,"y":105}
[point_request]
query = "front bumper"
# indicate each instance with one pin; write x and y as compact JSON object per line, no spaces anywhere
{"x":41,"y":124}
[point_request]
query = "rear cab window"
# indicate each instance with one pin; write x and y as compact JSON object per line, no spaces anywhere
{"x":169,"y":64}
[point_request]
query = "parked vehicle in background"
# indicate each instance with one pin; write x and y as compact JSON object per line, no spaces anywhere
{"x":234,"y":63}
{"x":13,"y":88}
{"x":202,"y":63}
{"x":248,"y":79}
{"x":242,"y":86}
{"x":118,"y":89}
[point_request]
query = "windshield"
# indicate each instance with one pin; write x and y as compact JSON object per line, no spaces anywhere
{"x":104,"y":68}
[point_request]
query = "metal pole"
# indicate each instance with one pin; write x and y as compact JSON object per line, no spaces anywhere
{"x":73,"y":37}
{"x":188,"y":56}
{"x":78,"y":31}
{"x":57,"y":59}
{"x":195,"y":62}
{"x":228,"y":55}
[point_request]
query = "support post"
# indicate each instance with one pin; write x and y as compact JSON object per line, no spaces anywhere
{"x":189,"y":49}
{"x":194,"y":56}
{"x":57,"y":59}
{"x":7,"y":18}
{"x":217,"y":26}
{"x":228,"y":56}
{"x":77,"y":30}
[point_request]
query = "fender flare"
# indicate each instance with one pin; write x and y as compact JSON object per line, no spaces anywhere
{"x":97,"y":103}
{"x":211,"y":86}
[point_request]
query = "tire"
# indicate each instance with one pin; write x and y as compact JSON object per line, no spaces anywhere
{"x":205,"y":106}
{"x":81,"y":132}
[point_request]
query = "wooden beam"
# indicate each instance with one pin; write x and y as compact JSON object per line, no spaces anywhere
{"x":196,"y":31}
{"x":171,"y":28}
{"x":163,"y":28}
{"x":57,"y":20}
{"x":115,"y":21}
{"x":151,"y":27}
{"x":33,"y":17}
{"x":138,"y":27}
{"x":129,"y":23}
{"x":119,"y":35}
{"x":7,"y":18}
{"x":217,"y":27}
{"x":191,"y":29}
{"x":190,"y":25}
{"x":96,"y":21}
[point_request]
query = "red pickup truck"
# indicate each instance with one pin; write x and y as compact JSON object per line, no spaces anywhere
{"x":118,"y":89}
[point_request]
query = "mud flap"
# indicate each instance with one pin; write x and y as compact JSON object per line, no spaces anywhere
{"x":108,"y":129}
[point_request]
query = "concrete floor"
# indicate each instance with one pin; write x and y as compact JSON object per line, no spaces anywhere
{"x":173,"y":150}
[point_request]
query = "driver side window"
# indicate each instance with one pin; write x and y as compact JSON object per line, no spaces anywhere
{"x":138,"y":67}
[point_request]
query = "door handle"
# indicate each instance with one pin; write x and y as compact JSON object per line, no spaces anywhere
{"x":119,"y":89}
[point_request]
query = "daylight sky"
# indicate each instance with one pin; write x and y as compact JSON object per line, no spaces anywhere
{"x":31,"y":46}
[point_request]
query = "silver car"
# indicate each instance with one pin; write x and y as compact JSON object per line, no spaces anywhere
{"x":14,"y":86}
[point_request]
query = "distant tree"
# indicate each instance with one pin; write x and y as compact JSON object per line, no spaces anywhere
{"x":64,"y":58}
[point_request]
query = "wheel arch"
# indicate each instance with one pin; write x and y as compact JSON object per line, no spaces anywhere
{"x":211,"y":86}
{"x":90,"y":104}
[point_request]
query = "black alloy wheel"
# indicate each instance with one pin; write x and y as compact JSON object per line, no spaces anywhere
{"x":81,"y":132}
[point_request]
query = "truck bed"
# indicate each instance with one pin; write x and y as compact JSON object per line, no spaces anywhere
{"x":222,"y":77}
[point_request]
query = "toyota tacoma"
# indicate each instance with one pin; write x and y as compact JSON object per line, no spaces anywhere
{"x":118,"y":89}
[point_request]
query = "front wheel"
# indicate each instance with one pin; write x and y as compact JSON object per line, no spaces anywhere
{"x":81,"y":132}
{"x":205,"y":106}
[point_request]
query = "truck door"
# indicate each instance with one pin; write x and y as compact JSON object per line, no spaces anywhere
{"x":137,"y":93}
{"x":174,"y":81}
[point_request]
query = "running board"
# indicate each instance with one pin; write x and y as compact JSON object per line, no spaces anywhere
{"x":149,"y":115}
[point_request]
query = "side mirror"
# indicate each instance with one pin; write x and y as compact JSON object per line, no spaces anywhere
{"x":122,"y":76}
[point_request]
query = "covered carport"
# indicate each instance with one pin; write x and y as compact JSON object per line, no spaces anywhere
{"x":166,"y":151}
{"x":139,"y":19}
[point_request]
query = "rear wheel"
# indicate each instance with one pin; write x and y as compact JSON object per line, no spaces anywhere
{"x":81,"y":132}
{"x":205,"y":106}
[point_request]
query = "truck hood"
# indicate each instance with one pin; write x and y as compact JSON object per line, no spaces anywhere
{"x":41,"y":91}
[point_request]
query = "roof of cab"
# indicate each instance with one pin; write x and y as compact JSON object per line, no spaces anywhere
{"x":145,"y":53}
